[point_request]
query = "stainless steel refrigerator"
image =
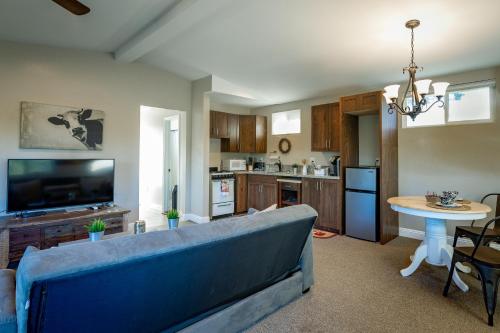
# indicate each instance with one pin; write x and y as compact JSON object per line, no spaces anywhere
{"x":361,"y":203}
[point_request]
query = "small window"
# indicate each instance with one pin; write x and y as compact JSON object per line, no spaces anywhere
{"x":286,"y":122}
{"x":465,"y":104}
{"x":433,"y":117}
{"x":470,"y":104}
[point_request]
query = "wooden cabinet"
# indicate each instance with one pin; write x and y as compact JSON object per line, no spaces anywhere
{"x":324,"y":195}
{"x":260,"y":134}
{"x":49,"y":230}
{"x":262,"y":191}
{"x":325,"y":127}
{"x":247,"y":134}
{"x":241,"y":193}
{"x":231,"y":144}
{"x":253,"y":134}
{"x":367,"y":103}
{"x":218,"y":125}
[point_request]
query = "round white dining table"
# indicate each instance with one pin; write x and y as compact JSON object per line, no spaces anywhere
{"x":435,"y":248}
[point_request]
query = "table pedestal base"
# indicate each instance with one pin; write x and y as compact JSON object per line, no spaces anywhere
{"x":436,"y":251}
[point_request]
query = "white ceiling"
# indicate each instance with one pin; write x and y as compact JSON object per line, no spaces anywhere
{"x":279,"y":50}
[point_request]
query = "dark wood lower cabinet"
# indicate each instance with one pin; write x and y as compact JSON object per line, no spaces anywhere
{"x":324,"y":195}
{"x":262,"y":191}
{"x":241,"y":193}
{"x":49,"y":230}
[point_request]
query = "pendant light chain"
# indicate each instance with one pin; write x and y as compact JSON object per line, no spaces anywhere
{"x":412,"y":62}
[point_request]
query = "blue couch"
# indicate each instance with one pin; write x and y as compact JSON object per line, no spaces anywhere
{"x":217,"y":277}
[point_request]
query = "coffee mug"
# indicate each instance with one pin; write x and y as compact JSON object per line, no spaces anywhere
{"x":448,"y":197}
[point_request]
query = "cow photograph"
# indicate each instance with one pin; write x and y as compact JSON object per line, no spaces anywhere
{"x":60,"y":127}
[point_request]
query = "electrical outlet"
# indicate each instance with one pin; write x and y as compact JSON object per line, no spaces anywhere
{"x":312,"y":160}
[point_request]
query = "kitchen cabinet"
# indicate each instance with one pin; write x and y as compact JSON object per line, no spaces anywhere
{"x":231,"y":144}
{"x":324,"y":195}
{"x":262,"y":191}
{"x":241,"y":193}
{"x":367,"y":103}
{"x":252,"y":134}
{"x":218,"y":125}
{"x":325,"y":127}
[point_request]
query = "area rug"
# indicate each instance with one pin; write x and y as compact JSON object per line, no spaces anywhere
{"x":323,"y":234}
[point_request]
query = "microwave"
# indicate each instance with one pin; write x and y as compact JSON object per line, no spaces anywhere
{"x":234,"y":165}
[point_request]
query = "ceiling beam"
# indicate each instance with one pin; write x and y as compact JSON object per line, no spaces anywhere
{"x":185,"y":14}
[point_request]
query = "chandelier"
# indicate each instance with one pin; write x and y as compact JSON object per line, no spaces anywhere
{"x":418,"y":89}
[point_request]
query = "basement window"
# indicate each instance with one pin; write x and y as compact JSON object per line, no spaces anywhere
{"x":286,"y":122}
{"x":469,"y":103}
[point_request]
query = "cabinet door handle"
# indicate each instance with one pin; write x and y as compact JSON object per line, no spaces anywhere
{"x":321,"y":186}
{"x":217,"y":131}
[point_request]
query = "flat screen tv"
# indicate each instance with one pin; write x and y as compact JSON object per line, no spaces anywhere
{"x":38,"y":184}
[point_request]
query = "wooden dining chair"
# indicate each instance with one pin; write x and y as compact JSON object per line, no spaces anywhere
{"x":474,"y":232}
{"x":487,"y":262}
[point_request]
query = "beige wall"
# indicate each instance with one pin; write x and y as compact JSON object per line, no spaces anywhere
{"x":85,"y":79}
{"x":369,"y":139}
{"x":465,"y":158}
{"x":301,"y":143}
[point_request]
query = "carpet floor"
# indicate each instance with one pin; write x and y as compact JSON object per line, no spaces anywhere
{"x":358,"y":288}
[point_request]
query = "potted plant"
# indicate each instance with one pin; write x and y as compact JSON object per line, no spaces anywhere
{"x":295,"y":167}
{"x":173,"y":218}
{"x":96,"y":229}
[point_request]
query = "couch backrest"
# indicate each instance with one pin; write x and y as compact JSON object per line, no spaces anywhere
{"x":160,"y":280}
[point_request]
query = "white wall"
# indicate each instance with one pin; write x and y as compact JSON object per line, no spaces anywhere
{"x":85,"y":79}
{"x":463,"y":157}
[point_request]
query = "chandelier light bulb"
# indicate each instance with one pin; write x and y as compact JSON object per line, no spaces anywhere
{"x":440,"y":88}
{"x":391,"y":91}
{"x":423,"y":86}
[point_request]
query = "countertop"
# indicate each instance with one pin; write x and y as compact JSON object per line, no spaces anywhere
{"x":285,"y":174}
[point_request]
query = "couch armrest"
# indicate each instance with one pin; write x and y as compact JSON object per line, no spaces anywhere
{"x":306,"y":263}
{"x":8,"y":323}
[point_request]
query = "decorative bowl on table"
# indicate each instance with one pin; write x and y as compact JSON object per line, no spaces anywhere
{"x":432,"y":197}
{"x":448,"y":198}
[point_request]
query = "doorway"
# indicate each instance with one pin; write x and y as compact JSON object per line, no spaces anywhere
{"x":162,"y":153}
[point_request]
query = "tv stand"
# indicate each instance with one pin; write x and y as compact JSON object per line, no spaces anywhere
{"x":46,"y":231}
{"x":26,"y":215}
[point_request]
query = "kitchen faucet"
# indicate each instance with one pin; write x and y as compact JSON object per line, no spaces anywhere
{"x":278,"y":164}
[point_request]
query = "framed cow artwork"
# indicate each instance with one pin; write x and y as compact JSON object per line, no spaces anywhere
{"x":60,"y":127}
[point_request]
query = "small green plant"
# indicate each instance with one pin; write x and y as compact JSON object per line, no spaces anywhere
{"x":295,"y":165}
{"x":97,"y":225}
{"x":172,"y":214}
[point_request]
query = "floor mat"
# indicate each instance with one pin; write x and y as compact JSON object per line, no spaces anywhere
{"x":323,"y":234}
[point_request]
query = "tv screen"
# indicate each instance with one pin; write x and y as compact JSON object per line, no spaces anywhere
{"x":37,"y":184}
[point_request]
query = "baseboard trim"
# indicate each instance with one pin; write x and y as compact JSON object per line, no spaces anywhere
{"x":196,"y":218}
{"x":419,"y":234}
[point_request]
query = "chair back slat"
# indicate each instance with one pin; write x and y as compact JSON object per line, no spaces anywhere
{"x":497,"y":213}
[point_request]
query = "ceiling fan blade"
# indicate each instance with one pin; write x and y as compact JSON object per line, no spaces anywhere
{"x":74,"y":6}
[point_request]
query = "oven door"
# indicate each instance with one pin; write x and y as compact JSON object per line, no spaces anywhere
{"x":222,"y":190}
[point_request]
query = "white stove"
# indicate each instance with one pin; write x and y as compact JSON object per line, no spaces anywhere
{"x":221,"y":193}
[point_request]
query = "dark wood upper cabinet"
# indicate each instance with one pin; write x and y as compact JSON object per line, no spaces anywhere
{"x":325,"y":127}
{"x":231,"y":144}
{"x":218,"y":125}
{"x":247,"y":134}
{"x":367,"y":103}
{"x":260,"y":134}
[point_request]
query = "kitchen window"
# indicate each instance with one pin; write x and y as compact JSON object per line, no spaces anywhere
{"x":286,"y":122}
{"x":464,"y":104}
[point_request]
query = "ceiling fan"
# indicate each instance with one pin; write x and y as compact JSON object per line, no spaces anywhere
{"x":74,"y":6}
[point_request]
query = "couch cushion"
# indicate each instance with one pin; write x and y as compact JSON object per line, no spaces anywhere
{"x":158,"y":280}
{"x":8,"y":301}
